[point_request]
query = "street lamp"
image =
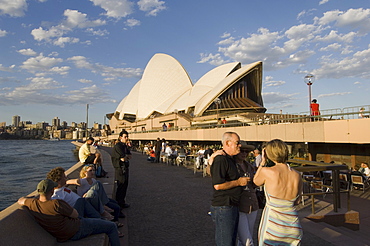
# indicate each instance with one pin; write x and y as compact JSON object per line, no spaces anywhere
{"x":309,"y":79}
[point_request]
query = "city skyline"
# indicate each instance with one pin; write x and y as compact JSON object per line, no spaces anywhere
{"x":58,"y":56}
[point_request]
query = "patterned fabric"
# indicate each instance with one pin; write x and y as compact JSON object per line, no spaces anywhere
{"x":279,"y":223}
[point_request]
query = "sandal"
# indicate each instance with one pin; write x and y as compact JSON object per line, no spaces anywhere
{"x":120,"y":234}
{"x":118,"y":224}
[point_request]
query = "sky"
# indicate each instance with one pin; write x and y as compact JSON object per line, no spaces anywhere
{"x":57,"y":56}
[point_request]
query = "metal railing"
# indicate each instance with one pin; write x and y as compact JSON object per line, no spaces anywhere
{"x":355,"y":112}
{"x":313,"y":166}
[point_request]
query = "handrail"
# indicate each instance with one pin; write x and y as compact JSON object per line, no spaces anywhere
{"x":312,"y":166}
{"x":270,"y":119}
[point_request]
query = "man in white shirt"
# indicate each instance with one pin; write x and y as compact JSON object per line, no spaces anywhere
{"x":85,"y":154}
{"x":258,"y":158}
{"x":366,"y":168}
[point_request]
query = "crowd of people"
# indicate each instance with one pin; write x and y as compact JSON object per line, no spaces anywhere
{"x":70,"y":214}
{"x":235,"y":203}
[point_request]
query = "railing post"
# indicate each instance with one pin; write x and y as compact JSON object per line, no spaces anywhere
{"x":336,"y":189}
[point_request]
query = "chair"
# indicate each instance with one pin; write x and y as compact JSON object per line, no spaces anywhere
{"x":360,"y":181}
{"x":180,"y":160}
{"x":343,"y":180}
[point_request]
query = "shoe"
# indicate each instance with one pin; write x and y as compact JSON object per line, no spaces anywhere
{"x":118,"y":224}
{"x":120,"y":234}
{"x":126,"y":205}
{"x":121,"y":215}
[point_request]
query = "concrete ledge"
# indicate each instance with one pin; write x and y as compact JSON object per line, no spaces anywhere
{"x":18,"y":227}
{"x":350,"y":219}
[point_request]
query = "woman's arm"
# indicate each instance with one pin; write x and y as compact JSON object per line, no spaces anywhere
{"x":260,"y":176}
{"x":73,"y":182}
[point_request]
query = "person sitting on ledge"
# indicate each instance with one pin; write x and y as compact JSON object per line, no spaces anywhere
{"x":61,"y":192}
{"x":85,"y":155}
{"x":89,"y":187}
{"x":61,"y":220}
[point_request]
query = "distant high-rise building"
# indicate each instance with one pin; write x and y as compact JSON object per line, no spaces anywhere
{"x":55,"y":122}
{"x":2,"y":124}
{"x":74,"y":124}
{"x":64,"y":124}
{"x":16,"y":120}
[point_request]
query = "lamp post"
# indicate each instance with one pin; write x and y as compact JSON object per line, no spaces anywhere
{"x":309,"y":79}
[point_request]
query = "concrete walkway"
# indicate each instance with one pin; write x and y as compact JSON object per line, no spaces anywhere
{"x":169,"y":206}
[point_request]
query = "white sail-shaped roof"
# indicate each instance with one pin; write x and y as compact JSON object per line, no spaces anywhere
{"x":166,"y":87}
{"x":163,"y":78}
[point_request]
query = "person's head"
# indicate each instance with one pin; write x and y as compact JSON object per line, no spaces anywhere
{"x":364,"y":165}
{"x":277,"y":151}
{"x":245,"y":149}
{"x":46,"y":187}
{"x":87,"y":171}
{"x":123,"y":136}
{"x":57,"y":175}
{"x":90,"y":140}
{"x":256,"y":152}
{"x":231,"y":143}
{"x":314,"y":101}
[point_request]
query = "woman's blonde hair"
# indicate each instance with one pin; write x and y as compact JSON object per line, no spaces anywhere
{"x":277,"y":151}
{"x":83,"y":170}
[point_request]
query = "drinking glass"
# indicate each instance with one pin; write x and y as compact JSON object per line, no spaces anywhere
{"x":246,"y":175}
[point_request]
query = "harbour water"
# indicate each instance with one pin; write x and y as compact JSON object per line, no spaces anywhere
{"x":23,"y":163}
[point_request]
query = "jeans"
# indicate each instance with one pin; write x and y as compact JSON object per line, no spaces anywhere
{"x":85,"y":209}
{"x":97,"y":197}
{"x":245,"y":228}
{"x":226,"y":219}
{"x":95,"y":226}
{"x":116,"y":208}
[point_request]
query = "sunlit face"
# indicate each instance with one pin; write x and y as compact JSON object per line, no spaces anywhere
{"x":124,"y":138}
{"x":90,"y":172}
{"x":234,"y":145}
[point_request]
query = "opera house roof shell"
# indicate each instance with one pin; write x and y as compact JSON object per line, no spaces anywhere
{"x":166,"y":87}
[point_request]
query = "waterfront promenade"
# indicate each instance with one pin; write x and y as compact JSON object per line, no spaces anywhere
{"x":169,"y":206}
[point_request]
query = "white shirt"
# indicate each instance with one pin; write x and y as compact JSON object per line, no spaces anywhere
{"x":66,"y":195}
{"x":168,"y":151}
{"x":367,"y":172}
{"x":84,"y":186}
{"x":258,"y":160}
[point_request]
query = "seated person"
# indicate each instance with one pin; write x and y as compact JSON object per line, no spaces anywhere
{"x":85,"y":155}
{"x":89,"y":187}
{"x":170,"y":153}
{"x":63,"y":221}
{"x":151,"y":154}
{"x":200,"y":157}
{"x":366,"y":169}
{"x":61,"y":192}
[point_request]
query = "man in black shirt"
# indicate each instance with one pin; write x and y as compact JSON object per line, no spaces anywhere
{"x":120,"y":160}
{"x":227,"y":190}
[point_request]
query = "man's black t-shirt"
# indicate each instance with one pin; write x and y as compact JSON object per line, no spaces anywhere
{"x":224,"y":169}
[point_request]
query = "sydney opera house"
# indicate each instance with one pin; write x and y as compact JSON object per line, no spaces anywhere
{"x":166,"y":94}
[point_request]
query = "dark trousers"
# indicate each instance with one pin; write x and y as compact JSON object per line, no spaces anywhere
{"x":121,"y":177}
{"x":157,"y":156}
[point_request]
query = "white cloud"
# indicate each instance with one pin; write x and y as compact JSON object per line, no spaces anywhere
{"x":40,"y":63}
{"x":334,"y":94}
{"x":333,"y":36}
{"x":85,"y":81}
{"x":81,"y":62}
{"x":7,"y":69}
{"x":60,"y":70}
{"x":132,"y":22}
{"x":352,"y":18}
{"x":74,"y":19}
{"x":331,"y":47}
{"x":225,"y":35}
{"x":14,"y":8}
{"x":115,"y":8}
{"x":357,"y":83}
{"x":27,"y":52}
{"x":3,"y":33}
{"x":276,"y":97}
{"x":99,"y":32}
{"x":151,"y":7}
{"x":323,"y":2}
{"x":226,"y":41}
{"x":215,"y":60}
{"x":269,"y":81}
{"x":61,"y":41}
{"x":353,"y":66}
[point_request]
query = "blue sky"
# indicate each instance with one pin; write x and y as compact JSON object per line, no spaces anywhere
{"x":59,"y":55}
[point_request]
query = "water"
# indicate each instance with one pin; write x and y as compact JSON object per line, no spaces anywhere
{"x":23,"y":163}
